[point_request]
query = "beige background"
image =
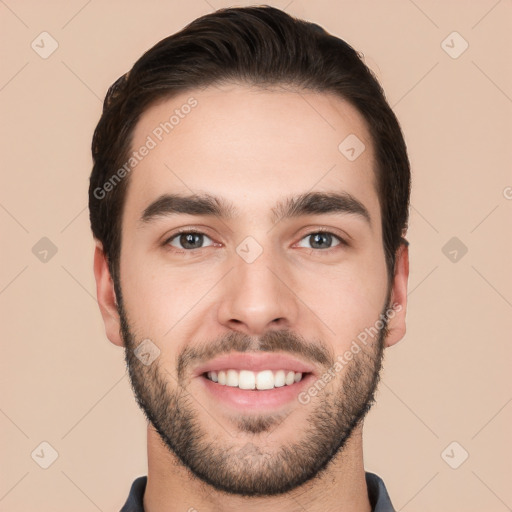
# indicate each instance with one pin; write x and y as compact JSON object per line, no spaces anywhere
{"x":449,"y":380}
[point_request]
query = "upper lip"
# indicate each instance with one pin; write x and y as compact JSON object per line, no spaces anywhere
{"x":254,"y":362}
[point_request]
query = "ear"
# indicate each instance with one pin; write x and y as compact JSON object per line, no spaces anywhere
{"x":106,"y":296}
{"x":396,"y":323}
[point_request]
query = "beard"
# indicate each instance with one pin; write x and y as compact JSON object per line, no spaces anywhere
{"x":252,"y":470}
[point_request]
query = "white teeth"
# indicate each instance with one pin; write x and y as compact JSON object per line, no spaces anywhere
{"x":246,"y":379}
{"x":279,"y":378}
{"x":265,"y":380}
{"x":290,"y":378}
{"x":232,"y":378}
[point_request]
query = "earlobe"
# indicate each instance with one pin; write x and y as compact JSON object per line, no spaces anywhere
{"x":396,"y":323}
{"x":106,"y":296}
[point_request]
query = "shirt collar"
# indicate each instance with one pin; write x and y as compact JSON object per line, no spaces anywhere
{"x":377,"y":493}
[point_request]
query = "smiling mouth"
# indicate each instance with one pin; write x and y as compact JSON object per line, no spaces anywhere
{"x":250,"y":380}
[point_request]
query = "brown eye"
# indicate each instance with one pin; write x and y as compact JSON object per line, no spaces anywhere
{"x":188,"y":240}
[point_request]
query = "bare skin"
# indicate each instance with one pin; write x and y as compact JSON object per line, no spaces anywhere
{"x":253,"y":148}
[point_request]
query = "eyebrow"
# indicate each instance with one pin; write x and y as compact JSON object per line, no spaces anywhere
{"x":310,"y":203}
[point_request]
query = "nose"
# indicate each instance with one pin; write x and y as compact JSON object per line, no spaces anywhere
{"x":258,"y":296}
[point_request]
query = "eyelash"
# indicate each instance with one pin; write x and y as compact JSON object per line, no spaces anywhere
{"x":342,"y":242}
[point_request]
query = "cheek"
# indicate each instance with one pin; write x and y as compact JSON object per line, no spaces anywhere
{"x":347,"y":299}
{"x":348,"y":307}
{"x":159,"y":297}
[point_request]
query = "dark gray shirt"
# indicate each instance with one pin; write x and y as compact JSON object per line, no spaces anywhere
{"x":379,"y":498}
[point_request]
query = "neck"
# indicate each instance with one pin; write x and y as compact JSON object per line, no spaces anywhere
{"x":172,"y":487}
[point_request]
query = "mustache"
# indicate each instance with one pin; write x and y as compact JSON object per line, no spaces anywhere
{"x":282,"y":340}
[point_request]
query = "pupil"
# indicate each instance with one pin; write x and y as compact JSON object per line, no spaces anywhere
{"x":189,"y":239}
{"x":318,"y":237}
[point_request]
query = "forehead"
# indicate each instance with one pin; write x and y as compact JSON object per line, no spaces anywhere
{"x":251,"y":146}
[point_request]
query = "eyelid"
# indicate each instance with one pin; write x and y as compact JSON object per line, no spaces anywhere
{"x":343,"y":238}
{"x":187,"y":230}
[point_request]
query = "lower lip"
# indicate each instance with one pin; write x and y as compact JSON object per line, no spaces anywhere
{"x":254,"y":399}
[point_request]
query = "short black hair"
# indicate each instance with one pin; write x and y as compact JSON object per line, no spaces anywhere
{"x":261,"y":46}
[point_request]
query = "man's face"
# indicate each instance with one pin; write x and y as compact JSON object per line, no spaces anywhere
{"x":271,"y":291}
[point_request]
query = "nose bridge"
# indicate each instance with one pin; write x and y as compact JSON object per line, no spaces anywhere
{"x":256,"y":296}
